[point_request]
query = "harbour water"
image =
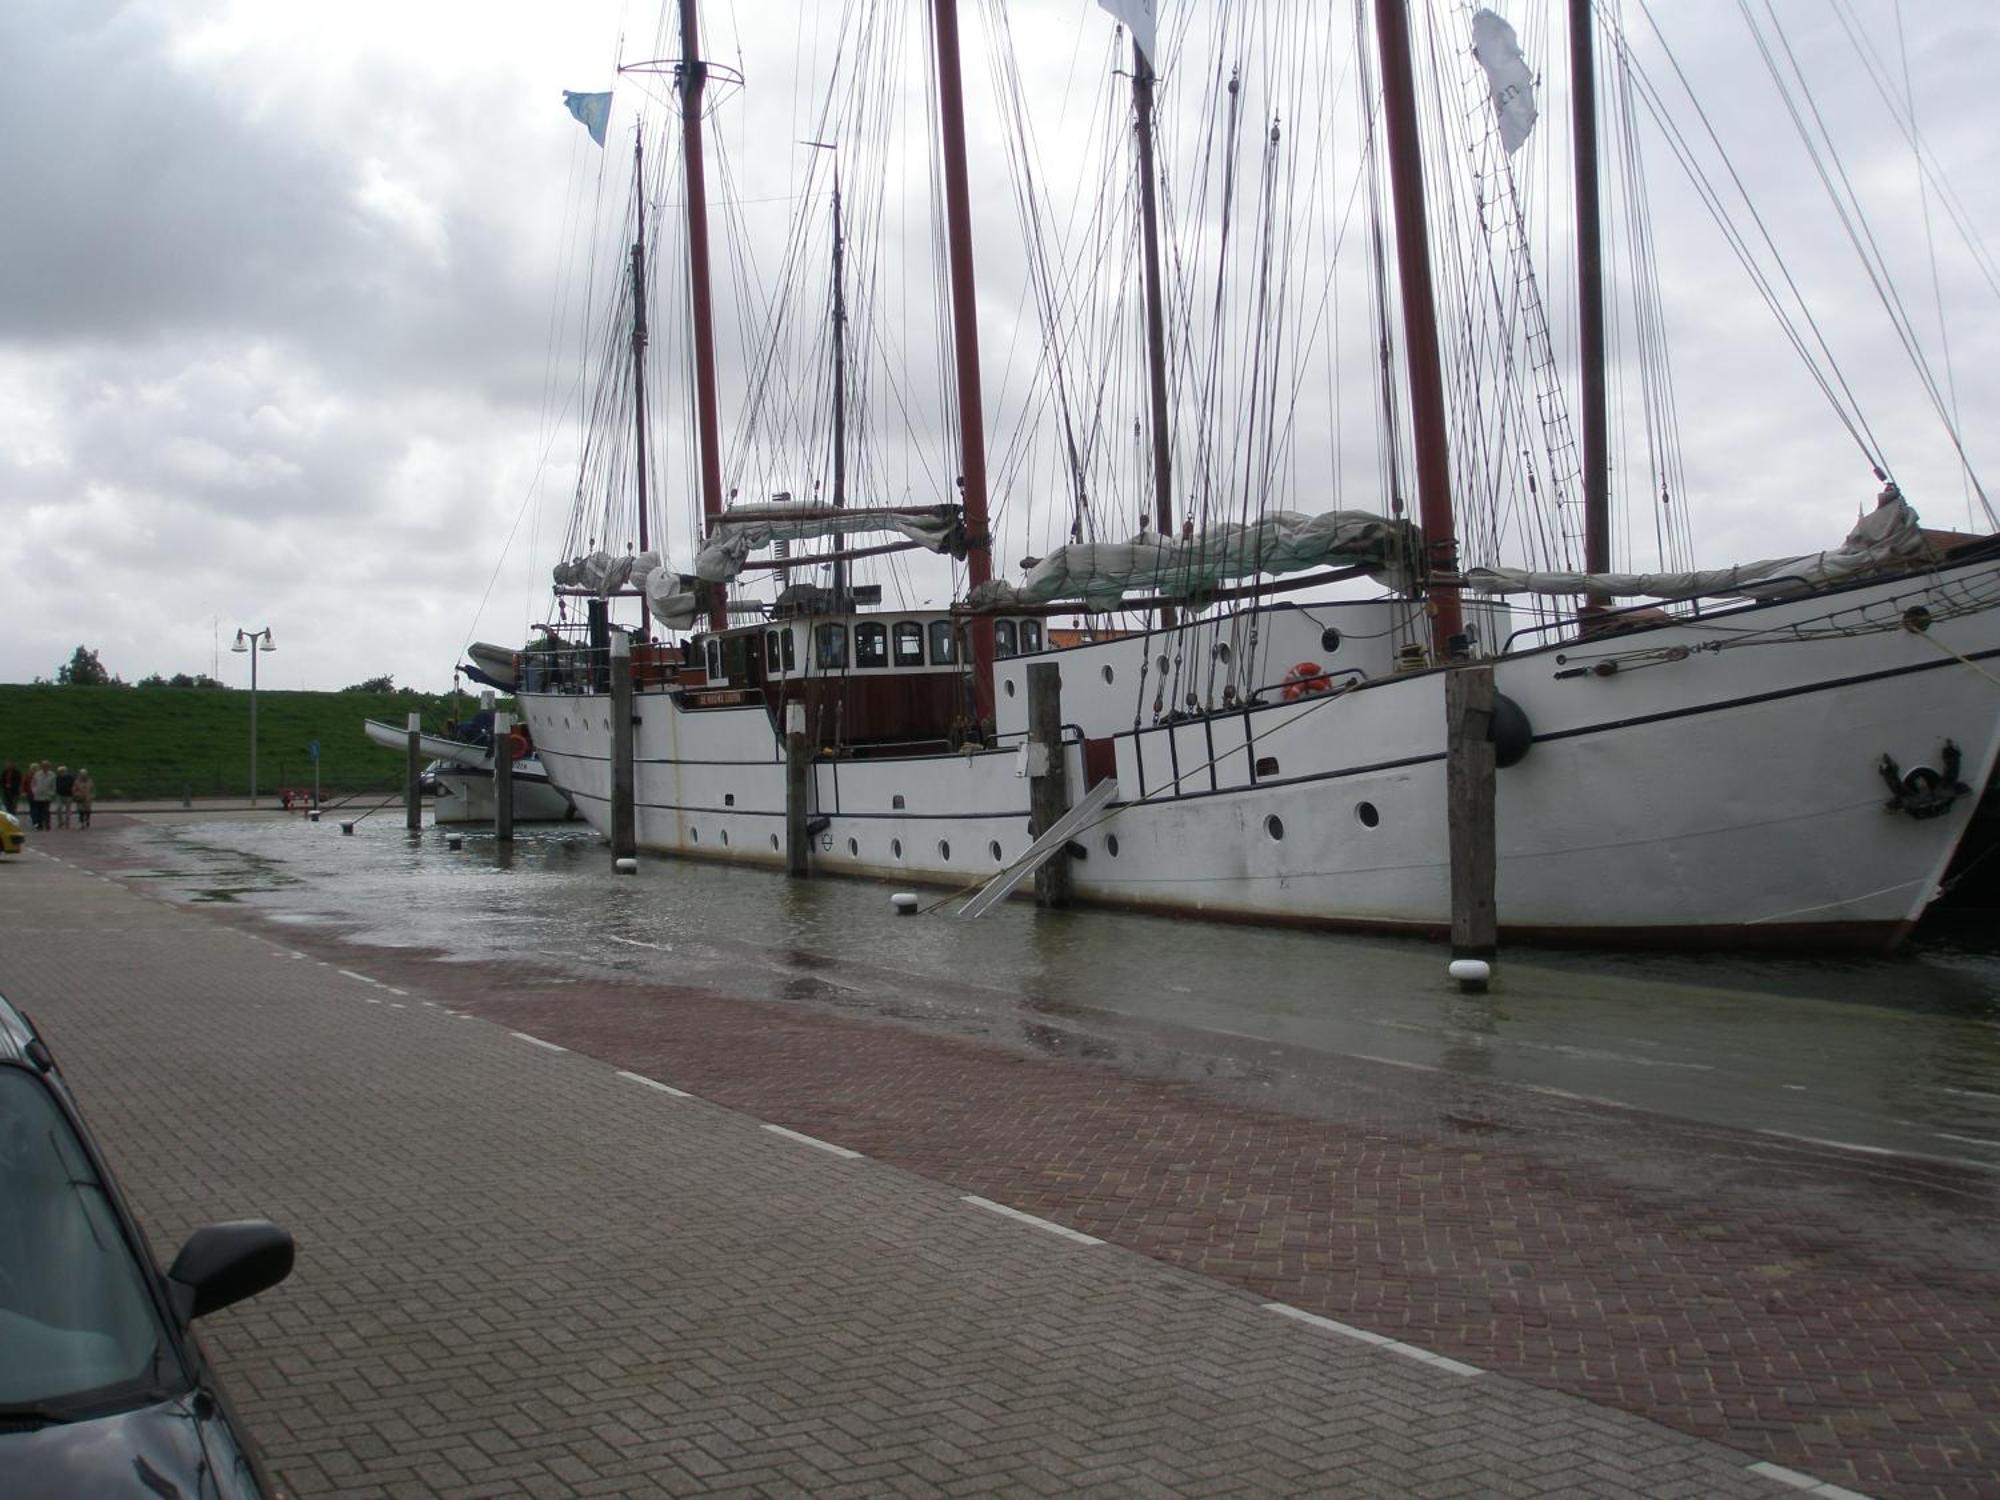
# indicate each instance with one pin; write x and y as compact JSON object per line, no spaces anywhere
{"x":1898,"y":1055}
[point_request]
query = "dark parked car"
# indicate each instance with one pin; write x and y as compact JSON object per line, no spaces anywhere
{"x":103,"y":1388}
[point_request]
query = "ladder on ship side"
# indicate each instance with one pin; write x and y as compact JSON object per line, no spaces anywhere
{"x":1039,"y":853}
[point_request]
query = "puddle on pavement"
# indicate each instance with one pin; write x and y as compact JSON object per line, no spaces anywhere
{"x":1901,"y":1053}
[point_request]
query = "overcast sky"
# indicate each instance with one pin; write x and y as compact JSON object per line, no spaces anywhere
{"x":277,"y":280}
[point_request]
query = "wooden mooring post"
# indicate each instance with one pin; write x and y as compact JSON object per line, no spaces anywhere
{"x":624,"y":822}
{"x":798,"y":790}
{"x":1048,"y":784}
{"x":413,"y":777}
{"x":1469,"y":794}
{"x":503,"y":778}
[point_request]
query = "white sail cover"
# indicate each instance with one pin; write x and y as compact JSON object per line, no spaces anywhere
{"x":1508,"y":75}
{"x":605,"y":573}
{"x":1887,"y":537}
{"x":742,"y":529}
{"x":674,"y":598}
{"x":1137,"y":17}
{"x":1102,"y":573}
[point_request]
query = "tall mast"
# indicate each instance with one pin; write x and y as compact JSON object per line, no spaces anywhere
{"x":1156,"y":322}
{"x":839,"y":399}
{"x":965,"y":338}
{"x":1590,"y":292}
{"x":639,"y":331}
{"x":693,"y":76}
{"x":1413,"y":265}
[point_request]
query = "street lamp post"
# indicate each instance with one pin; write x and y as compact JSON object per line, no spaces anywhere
{"x":253,"y":641}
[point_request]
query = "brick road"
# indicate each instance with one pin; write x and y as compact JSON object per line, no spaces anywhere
{"x":523,"y":1273}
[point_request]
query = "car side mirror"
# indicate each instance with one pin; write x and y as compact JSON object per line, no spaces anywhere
{"x":224,"y":1263}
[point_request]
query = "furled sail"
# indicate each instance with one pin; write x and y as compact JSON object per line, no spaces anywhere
{"x":1508,"y":75}
{"x":742,"y":529}
{"x":1887,"y":537}
{"x":1102,"y":573}
{"x":674,"y":599}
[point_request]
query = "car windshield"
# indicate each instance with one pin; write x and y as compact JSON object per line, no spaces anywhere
{"x":77,"y":1327}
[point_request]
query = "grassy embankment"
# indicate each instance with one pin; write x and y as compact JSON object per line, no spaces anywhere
{"x":163,"y":741}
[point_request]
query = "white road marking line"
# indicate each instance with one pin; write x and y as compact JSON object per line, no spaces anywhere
{"x":1380,"y":1341}
{"x":1805,"y":1482}
{"x":634,"y":942}
{"x":1813,"y":1140}
{"x":394,"y":991}
{"x":816,"y":1144}
{"x":350,"y":974}
{"x":1014,"y":1213}
{"x":535,"y":1041}
{"x":654,"y":1083}
{"x":1970,"y":1140}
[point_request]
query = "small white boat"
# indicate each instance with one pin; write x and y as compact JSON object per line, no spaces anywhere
{"x":463,"y":771}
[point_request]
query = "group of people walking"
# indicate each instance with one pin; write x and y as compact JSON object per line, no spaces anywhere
{"x":57,"y":796}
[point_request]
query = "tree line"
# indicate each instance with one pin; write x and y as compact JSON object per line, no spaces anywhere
{"x":85,"y":669}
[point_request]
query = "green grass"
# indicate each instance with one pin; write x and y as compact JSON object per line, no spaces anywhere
{"x":163,"y":741}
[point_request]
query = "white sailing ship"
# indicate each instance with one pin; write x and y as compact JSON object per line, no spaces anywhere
{"x":1789,"y":753}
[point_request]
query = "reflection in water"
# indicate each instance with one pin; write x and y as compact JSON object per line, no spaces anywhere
{"x":1901,"y":1053}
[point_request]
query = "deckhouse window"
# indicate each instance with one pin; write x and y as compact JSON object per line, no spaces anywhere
{"x":774,"y":659}
{"x":714,"y":654}
{"x":831,"y":652}
{"x":909,"y":644}
{"x":944,"y":644}
{"x":1003,"y":638}
{"x":1031,"y":637}
{"x":791,"y":653}
{"x":871,"y":645}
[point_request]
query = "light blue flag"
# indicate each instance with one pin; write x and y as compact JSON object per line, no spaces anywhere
{"x":592,"y":111}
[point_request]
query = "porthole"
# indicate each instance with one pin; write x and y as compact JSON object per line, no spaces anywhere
{"x":896,"y":848}
{"x":1223,"y":653}
{"x":729,"y":799}
{"x":1161,"y":664}
{"x":1111,"y":844}
{"x":1107,"y":674}
{"x":1275,"y":827}
{"x":854,"y":848}
{"x":944,"y":850}
{"x":774,"y":843}
{"x":694,"y":835}
{"x":1009,"y":685}
{"x":1365,"y":811}
{"x":896,"y":802}
{"x":725,"y":838}
{"x":1329,"y":640}
{"x":994,"y":850}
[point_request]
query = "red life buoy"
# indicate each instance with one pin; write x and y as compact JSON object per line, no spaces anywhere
{"x":518,"y":745}
{"x":1306,"y":678}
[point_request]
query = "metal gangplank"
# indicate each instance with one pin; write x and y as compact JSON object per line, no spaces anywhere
{"x":1001,"y":886}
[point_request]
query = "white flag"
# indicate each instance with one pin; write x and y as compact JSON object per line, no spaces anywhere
{"x":1137,"y":15}
{"x":1507,"y":73}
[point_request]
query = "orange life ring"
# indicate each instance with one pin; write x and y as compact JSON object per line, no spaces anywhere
{"x":517,"y":744}
{"x":1306,"y":678}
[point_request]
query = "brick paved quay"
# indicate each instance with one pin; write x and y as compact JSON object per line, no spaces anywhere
{"x":1804,"y":1340}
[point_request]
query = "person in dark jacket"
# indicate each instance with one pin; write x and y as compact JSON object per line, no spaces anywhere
{"x":10,"y":787}
{"x":65,"y":796}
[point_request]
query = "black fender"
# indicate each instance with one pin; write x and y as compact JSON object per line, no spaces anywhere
{"x":1509,"y":731}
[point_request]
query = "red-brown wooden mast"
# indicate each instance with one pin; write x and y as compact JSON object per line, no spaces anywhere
{"x":1413,"y":262}
{"x":965,"y":339}
{"x":693,"y":77}
{"x":1156,"y":321}
{"x":1590,"y":295}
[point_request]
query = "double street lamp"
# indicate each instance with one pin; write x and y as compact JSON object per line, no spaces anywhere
{"x":253,"y":641}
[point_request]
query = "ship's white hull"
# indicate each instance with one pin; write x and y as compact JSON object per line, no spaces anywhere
{"x":1722,"y":784}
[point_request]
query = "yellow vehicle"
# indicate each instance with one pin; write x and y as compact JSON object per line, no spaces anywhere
{"x":11,"y":836}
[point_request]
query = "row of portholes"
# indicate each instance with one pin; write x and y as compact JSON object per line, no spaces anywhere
{"x":1365,"y":813}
